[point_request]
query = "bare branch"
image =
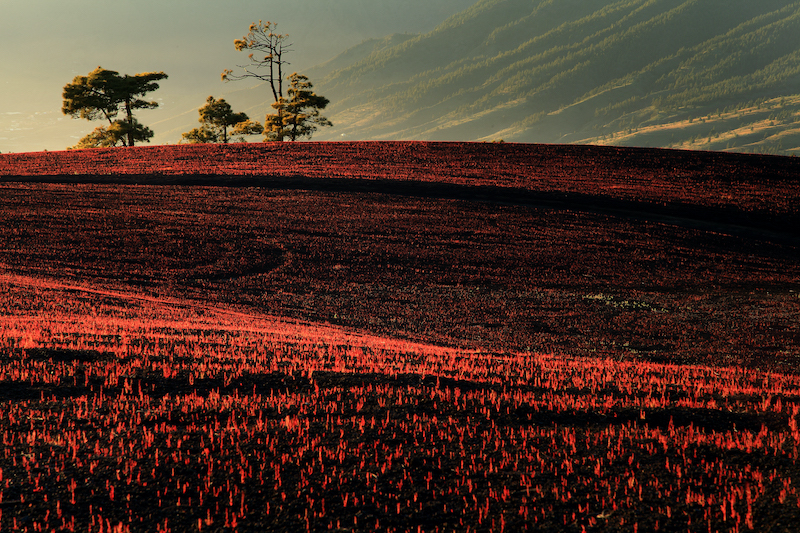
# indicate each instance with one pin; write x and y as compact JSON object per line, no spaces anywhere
{"x":262,"y":38}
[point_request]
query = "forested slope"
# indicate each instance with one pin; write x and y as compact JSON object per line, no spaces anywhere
{"x":710,"y":74}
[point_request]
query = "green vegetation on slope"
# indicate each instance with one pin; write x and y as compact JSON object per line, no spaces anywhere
{"x":599,"y":71}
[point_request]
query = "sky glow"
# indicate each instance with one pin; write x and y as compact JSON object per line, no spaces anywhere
{"x":46,"y":43}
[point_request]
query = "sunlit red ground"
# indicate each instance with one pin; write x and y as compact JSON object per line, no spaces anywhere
{"x":407,"y":336}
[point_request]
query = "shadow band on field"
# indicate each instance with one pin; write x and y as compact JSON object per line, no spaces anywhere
{"x":758,"y":225}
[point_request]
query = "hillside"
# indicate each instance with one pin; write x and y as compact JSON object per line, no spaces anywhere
{"x":399,"y":336}
{"x":716,"y":74}
{"x":395,"y":238}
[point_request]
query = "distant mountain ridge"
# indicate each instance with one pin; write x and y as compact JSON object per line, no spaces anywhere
{"x":701,"y":74}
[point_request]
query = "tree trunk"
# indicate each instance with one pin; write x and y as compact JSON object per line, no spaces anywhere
{"x":130,"y":121}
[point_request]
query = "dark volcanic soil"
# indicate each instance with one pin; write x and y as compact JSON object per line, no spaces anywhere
{"x":457,"y":272}
{"x":619,"y":255}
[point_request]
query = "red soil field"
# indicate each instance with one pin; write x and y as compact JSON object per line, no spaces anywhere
{"x":749,"y":183}
{"x":406,"y":336}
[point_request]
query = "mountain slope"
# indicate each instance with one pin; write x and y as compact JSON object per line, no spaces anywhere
{"x":601,"y":71}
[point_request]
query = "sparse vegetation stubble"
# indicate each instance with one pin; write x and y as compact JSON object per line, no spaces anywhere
{"x":233,"y":358}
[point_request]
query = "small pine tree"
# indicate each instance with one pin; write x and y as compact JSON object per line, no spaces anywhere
{"x":297,"y":114}
{"x":216,"y":117}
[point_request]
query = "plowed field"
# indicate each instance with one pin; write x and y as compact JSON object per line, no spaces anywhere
{"x":407,"y":336}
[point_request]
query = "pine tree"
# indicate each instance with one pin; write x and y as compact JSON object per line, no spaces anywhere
{"x":298,"y":114}
{"x":216,"y":117}
{"x":104,"y":94}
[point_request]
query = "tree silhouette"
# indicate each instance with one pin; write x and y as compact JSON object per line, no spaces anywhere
{"x":297,"y":115}
{"x":103,"y":94}
{"x":216,"y":117}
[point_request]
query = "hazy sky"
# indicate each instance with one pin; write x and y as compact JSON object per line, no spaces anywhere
{"x":46,"y":43}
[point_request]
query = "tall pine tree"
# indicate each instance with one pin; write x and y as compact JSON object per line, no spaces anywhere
{"x":104,"y":94}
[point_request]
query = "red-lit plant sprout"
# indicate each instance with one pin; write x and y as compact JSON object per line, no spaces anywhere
{"x":124,"y":412}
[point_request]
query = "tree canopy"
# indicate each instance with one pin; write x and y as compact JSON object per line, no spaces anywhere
{"x":298,"y":114}
{"x":104,"y":94}
{"x":216,"y":116}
